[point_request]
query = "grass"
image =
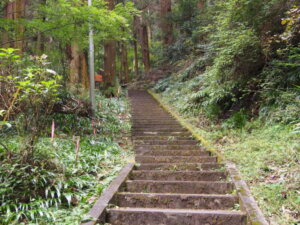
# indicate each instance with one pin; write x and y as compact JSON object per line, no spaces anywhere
{"x":267,"y":156}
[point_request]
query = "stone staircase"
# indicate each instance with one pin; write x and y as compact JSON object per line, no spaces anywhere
{"x":175,"y":181}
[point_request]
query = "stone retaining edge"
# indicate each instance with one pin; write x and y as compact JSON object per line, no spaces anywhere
{"x":247,"y":201}
{"x":98,"y":212}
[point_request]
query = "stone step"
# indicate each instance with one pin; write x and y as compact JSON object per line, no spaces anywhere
{"x":149,"y":216}
{"x":175,"y":159}
{"x":175,"y":201}
{"x":178,"y":175}
{"x":149,"y":112}
{"x":166,"y":142}
{"x":180,"y":166}
{"x":172,"y":153}
{"x":159,"y":123}
{"x":158,"y":126}
{"x":162,"y":129}
{"x":154,"y":121}
{"x":163,"y":138}
{"x":184,"y":187}
{"x":150,"y":115}
{"x":158,"y":118}
{"x":168,"y":147}
{"x":160,"y":133}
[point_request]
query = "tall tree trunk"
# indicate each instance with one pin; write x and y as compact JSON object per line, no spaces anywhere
{"x":145,"y":47}
{"x":15,"y":10}
{"x":20,"y":13}
{"x":136,"y":59}
{"x":110,"y":57}
{"x":40,"y":43}
{"x":78,"y":76}
{"x":73,"y":57}
{"x":166,"y":25}
{"x":109,"y":63}
{"x":124,"y":63}
{"x":84,"y":75}
{"x":136,"y":27}
{"x":143,"y":37}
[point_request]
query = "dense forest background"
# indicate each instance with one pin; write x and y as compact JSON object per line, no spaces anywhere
{"x":235,"y":76}
{"x":231,"y":67}
{"x":245,"y":59}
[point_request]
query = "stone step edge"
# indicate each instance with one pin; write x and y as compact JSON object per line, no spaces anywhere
{"x":189,"y":211}
{"x":179,"y":172}
{"x":98,"y":212}
{"x":134,"y":215}
{"x":176,"y":194}
{"x":216,"y":166}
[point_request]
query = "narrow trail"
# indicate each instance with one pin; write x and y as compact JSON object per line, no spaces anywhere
{"x":176,"y":181}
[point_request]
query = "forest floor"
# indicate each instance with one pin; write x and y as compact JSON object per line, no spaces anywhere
{"x":267,"y":156}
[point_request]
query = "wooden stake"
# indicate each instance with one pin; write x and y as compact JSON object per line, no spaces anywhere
{"x":77,"y":148}
{"x":52,"y":130}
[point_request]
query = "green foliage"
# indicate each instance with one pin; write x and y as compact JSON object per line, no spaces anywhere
{"x":52,"y":187}
{"x":238,"y":70}
{"x":43,"y":179}
{"x":62,"y":16}
{"x":51,"y":26}
{"x":292,"y":25}
{"x":237,"y":120}
{"x":184,"y":15}
{"x":245,"y":94}
{"x":34,"y":90}
{"x":280,"y":106}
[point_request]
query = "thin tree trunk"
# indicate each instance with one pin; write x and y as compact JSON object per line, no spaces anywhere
{"x":124,"y":63}
{"x":166,"y":25}
{"x":136,"y":29}
{"x":145,"y":47}
{"x":110,"y":56}
{"x":136,"y":59}
{"x":143,"y":37}
{"x":84,"y":75}
{"x":40,"y":44}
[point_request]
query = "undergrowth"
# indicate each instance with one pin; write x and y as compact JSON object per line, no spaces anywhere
{"x":267,"y":154}
{"x":268,"y":158}
{"x":60,"y":182}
